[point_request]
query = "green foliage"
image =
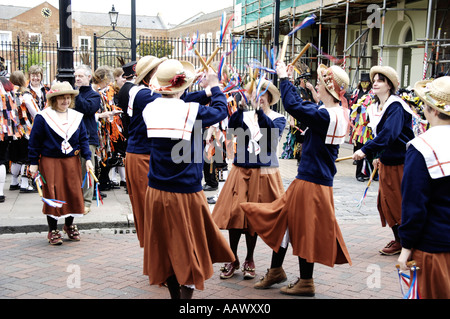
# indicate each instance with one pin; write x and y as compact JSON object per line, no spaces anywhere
{"x":156,"y":48}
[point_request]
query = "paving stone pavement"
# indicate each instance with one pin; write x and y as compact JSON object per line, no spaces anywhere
{"x":107,"y":262}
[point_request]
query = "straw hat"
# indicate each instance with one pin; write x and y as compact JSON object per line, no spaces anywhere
{"x":335,"y":79}
{"x":145,"y":65}
{"x":435,"y":93}
{"x":173,"y":76}
{"x":61,"y":88}
{"x":388,"y":72}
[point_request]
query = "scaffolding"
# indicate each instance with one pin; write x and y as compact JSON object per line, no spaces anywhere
{"x":346,"y":12}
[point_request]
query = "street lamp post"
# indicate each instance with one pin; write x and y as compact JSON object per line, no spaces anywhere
{"x":65,"y":50}
{"x":113,"y":17}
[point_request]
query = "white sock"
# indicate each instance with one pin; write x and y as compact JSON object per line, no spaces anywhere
{"x":24,"y":179}
{"x":121,"y":170}
{"x":2,"y":178}
{"x":15,"y":172}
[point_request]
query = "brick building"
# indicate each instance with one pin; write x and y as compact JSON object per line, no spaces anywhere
{"x":23,"y":29}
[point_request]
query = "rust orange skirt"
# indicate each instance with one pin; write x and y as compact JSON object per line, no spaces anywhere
{"x":259,"y":185}
{"x":433,"y":275}
{"x":307,"y":211}
{"x":62,"y":182}
{"x":181,"y":238}
{"x":389,"y":201}
{"x":136,"y":171}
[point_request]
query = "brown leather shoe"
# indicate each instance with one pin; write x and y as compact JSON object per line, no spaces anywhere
{"x":272,"y":277}
{"x":72,"y":232}
{"x":229,"y":269}
{"x":54,"y":237}
{"x":392,"y":248}
{"x":303,"y":287}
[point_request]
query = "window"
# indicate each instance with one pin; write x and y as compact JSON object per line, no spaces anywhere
{"x":5,"y":36}
{"x":35,"y":39}
{"x":84,"y":43}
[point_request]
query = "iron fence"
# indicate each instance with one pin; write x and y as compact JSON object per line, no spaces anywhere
{"x":20,"y":54}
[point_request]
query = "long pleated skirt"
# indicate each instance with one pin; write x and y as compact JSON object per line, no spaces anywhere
{"x":389,"y":201}
{"x":63,"y":182}
{"x":258,"y":185}
{"x":433,"y":275}
{"x":136,"y":170}
{"x":181,"y":238}
{"x":306,"y":211}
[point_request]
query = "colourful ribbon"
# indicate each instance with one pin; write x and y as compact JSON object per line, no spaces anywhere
{"x":309,"y":20}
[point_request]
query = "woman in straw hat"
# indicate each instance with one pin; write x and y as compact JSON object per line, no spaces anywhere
{"x":57,"y":137}
{"x":425,"y":228}
{"x":138,"y":146}
{"x":255,"y":176}
{"x":181,"y":241}
{"x":304,"y":215}
{"x":390,"y":119}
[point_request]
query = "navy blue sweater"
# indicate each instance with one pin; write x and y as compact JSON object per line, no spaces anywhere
{"x":394,"y":131}
{"x":183,"y":173}
{"x":89,"y":102}
{"x":425,"y":207}
{"x":271,"y":130}
{"x":138,"y":142}
{"x":317,"y":164}
{"x":45,"y":142}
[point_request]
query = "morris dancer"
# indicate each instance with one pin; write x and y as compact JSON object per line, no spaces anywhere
{"x":181,"y":240}
{"x":58,"y":135}
{"x":304,"y":216}
{"x":425,"y":228}
{"x":138,"y":146}
{"x":391,"y":123}
{"x":254,"y":177}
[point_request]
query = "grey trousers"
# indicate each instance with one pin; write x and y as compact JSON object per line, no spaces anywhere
{"x":88,"y":192}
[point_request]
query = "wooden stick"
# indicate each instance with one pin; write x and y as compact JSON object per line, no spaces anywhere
{"x":372,"y":176}
{"x":39,"y":189}
{"x":343,"y":158}
{"x":255,"y":75}
{"x":283,"y":50}
{"x":205,"y":66}
{"x":208,"y":62}
{"x":410,"y":263}
{"x":93,"y":176}
{"x":301,"y":53}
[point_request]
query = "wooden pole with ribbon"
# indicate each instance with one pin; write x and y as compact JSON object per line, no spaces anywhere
{"x":208,"y":62}
{"x":300,"y":54}
{"x":284,"y":48}
{"x":252,"y":82}
{"x":202,"y":61}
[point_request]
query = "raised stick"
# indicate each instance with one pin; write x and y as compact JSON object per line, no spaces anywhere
{"x":300,"y":54}
{"x":208,"y":62}
{"x":283,"y":50}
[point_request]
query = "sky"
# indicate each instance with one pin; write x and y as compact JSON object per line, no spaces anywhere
{"x":172,"y":11}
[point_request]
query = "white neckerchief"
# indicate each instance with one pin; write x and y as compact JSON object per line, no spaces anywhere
{"x":251,"y":120}
{"x":433,"y":145}
{"x":132,"y":93}
{"x":170,"y":118}
{"x":338,"y":126}
{"x":375,"y":116}
{"x":74,"y":119}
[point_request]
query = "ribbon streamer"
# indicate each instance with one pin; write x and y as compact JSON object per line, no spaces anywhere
{"x":367,"y":187}
{"x":39,"y":180}
{"x":405,"y":280}
{"x":309,"y":20}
